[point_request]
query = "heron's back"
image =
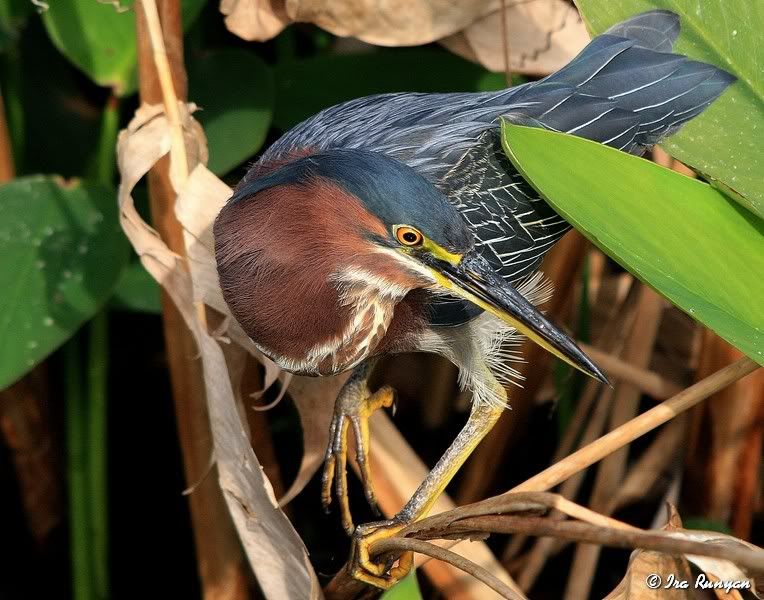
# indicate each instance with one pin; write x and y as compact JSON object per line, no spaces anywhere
{"x":625,"y":89}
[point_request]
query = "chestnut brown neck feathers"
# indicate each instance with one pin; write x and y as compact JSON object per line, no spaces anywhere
{"x":300,"y":274}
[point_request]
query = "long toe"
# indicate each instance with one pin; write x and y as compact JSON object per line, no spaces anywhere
{"x":363,"y":565}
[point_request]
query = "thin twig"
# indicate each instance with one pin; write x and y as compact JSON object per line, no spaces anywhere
{"x":170,"y":98}
{"x":585,"y":514}
{"x":660,"y":541}
{"x":638,"y":426}
{"x":398,"y":544}
{"x":520,"y":502}
{"x":645,"y":380}
{"x":651,"y":465}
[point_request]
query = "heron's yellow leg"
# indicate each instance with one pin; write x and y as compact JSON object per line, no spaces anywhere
{"x":353,"y":407}
{"x":362,"y":566}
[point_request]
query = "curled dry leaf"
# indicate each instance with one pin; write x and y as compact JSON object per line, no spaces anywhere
{"x":647,"y":569}
{"x":196,"y":210}
{"x":655,"y":568}
{"x":274,"y":549}
{"x":543,"y":36}
{"x":716,"y":568}
{"x":204,"y":195}
{"x":380,"y":22}
{"x":254,"y":20}
{"x":390,"y":22}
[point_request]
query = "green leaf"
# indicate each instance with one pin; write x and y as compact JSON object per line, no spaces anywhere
{"x":62,"y":251}
{"x":679,"y":235}
{"x":136,"y":290}
{"x":13,"y":17}
{"x":724,"y":143}
{"x":406,"y":589}
{"x":234,"y":88}
{"x":99,"y":38}
{"x":305,"y":87}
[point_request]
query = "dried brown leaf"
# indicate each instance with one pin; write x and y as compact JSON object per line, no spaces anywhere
{"x":646,"y":575}
{"x":719,"y":568}
{"x":275,"y":551}
{"x":196,"y":210}
{"x":254,"y":20}
{"x":543,"y":35}
{"x":660,"y":569}
{"x":390,"y":22}
{"x":314,"y":398}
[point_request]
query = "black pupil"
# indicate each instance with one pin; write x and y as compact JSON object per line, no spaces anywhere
{"x":410,"y":237}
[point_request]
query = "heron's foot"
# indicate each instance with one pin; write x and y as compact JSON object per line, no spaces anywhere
{"x":382,"y":574}
{"x":353,"y":408}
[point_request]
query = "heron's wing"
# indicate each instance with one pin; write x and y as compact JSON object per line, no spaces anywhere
{"x":625,"y":89}
{"x":513,"y":225}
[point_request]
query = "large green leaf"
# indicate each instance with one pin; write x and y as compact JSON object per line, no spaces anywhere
{"x":137,"y":291}
{"x":13,"y":17}
{"x":100,"y":39}
{"x":234,"y":88}
{"x":724,"y":143}
{"x":305,"y":87}
{"x":62,"y":253}
{"x":679,"y":235}
{"x":406,"y":589}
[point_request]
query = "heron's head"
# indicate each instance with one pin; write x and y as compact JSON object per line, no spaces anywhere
{"x":355,"y":220}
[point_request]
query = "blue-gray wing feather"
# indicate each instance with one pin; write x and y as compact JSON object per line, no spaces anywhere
{"x":625,"y":89}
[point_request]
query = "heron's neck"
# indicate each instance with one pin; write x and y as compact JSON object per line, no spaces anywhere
{"x":330,"y":328}
{"x":366,"y":304}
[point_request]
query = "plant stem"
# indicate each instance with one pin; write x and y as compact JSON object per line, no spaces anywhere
{"x":103,"y":164}
{"x":103,"y":170}
{"x":87,"y":417}
{"x":76,"y":429}
{"x":636,"y":427}
{"x":97,"y":443}
{"x":218,"y":549}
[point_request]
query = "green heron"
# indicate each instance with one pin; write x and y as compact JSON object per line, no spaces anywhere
{"x":394,"y":223}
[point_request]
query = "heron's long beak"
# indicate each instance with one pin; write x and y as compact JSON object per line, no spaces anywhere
{"x":475,"y":280}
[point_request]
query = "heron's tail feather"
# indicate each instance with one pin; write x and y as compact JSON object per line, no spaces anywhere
{"x":625,"y":89}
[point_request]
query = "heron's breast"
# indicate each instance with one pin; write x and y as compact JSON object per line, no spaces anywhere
{"x":356,"y":336}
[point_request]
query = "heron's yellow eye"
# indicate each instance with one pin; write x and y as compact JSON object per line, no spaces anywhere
{"x":408,"y":236}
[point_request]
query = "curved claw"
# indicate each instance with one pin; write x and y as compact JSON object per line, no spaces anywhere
{"x":353,"y":409}
{"x":382,"y":575}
